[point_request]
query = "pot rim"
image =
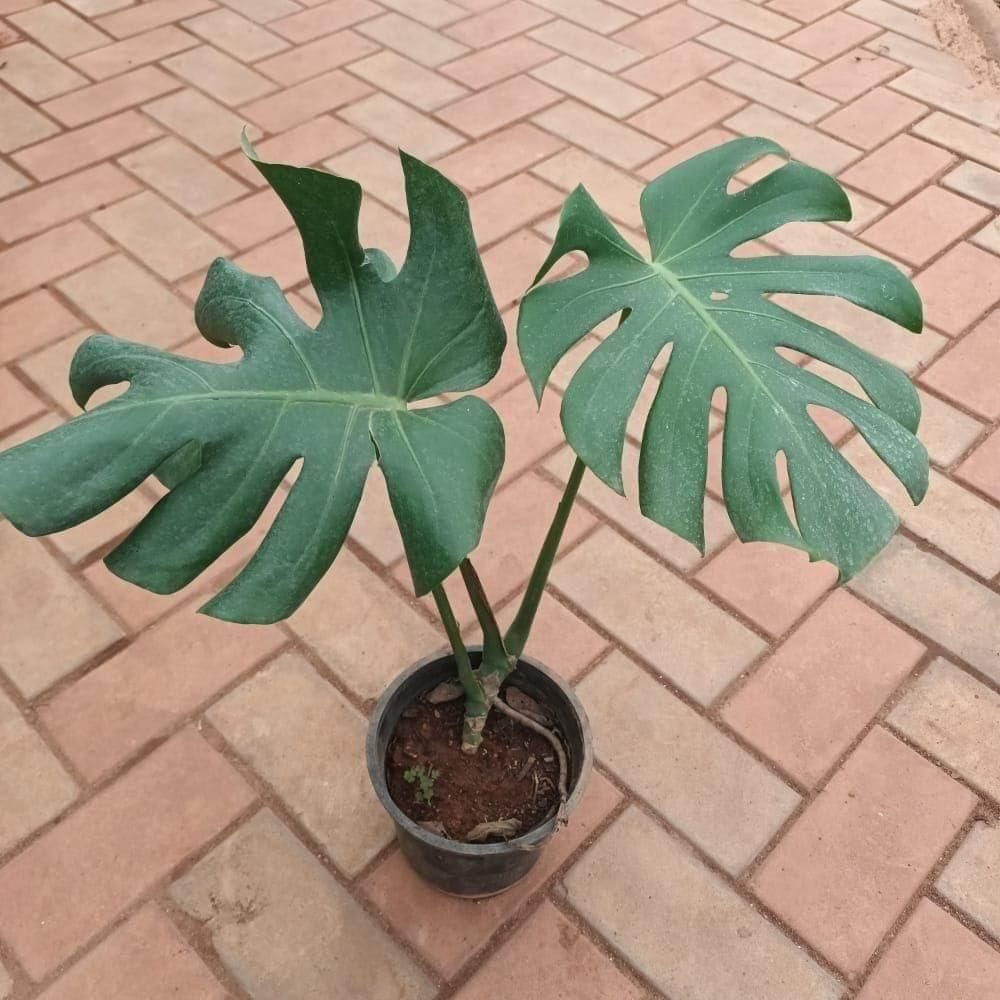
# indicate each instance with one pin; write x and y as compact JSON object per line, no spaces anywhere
{"x":528,"y":841}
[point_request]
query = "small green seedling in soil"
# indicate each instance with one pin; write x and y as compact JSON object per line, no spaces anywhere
{"x":423,"y":778}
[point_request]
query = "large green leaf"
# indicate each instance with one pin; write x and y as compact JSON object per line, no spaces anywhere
{"x":712,"y":309}
{"x":223,"y":436}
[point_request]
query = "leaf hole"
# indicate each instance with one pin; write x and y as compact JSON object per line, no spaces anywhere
{"x":568,"y":364}
{"x":837,"y":376}
{"x":754,"y":172}
{"x":566,"y":266}
{"x":791,"y":355}
{"x":832,"y":425}
{"x":719,"y":398}
{"x":293,"y":473}
{"x":644,"y":403}
{"x":784,"y":484}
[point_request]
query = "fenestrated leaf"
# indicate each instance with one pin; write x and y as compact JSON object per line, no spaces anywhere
{"x":223,"y":436}
{"x":712,"y":309}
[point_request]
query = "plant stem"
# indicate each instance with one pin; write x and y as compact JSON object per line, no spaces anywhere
{"x":494,"y":654}
{"x":466,"y":676}
{"x":495,"y":667}
{"x":517,"y":635}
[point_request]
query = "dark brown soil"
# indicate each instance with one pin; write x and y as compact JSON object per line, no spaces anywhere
{"x":499,"y":782}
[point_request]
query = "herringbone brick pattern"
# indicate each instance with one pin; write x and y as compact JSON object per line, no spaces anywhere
{"x":798,"y":787}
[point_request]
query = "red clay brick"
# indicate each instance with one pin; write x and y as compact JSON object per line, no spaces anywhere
{"x":852,"y":74}
{"x":923,"y":226}
{"x":408,"y":80}
{"x":676,"y":68}
{"x":43,"y":258}
{"x":17,"y":404}
{"x":495,"y":25}
{"x":298,"y":104}
{"x":82,"y":874}
{"x":144,"y":959}
{"x":970,"y":372}
{"x":847,"y":868}
{"x":590,"y":46}
{"x":84,"y":146}
{"x":235,"y":34}
{"x":601,"y":90}
{"x":429,"y":48}
{"x":491,"y":65}
{"x":481,"y":164}
{"x":586,"y":127}
{"x":511,"y":204}
{"x":550,"y":957}
{"x":797,"y":102}
{"x":225,"y":78}
{"x":151,"y":14}
{"x":323,"y":19}
{"x":687,"y":112}
{"x":397,"y":125}
{"x":59,"y":30}
{"x":899,"y":168}
{"x":934,"y":957}
{"x":316,"y":57}
{"x":32,"y":322}
{"x":250,"y":221}
{"x":837,"y":670}
{"x":498,"y":105}
{"x":982,"y":468}
{"x":168,"y":671}
{"x":511,"y":266}
{"x":110,"y":60}
{"x":120,"y":92}
{"x":805,"y":10}
{"x":36,"y":74}
{"x":59,"y":201}
{"x":664,"y":30}
{"x":959,"y":287}
{"x":873,"y":118}
{"x":773,"y":585}
{"x":531,"y":433}
{"x":831,"y":35}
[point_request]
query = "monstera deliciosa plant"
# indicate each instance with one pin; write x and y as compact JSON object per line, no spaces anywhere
{"x":340,"y":398}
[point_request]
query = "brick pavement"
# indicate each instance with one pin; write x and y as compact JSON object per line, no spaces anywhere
{"x":797,"y":788}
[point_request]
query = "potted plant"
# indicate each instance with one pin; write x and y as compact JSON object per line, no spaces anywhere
{"x":341,"y":398}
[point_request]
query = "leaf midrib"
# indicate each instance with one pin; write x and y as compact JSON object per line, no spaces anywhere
{"x":676,"y":282}
{"x":361,"y":400}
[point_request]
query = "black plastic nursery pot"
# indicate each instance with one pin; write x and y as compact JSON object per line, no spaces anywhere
{"x":476,"y":870}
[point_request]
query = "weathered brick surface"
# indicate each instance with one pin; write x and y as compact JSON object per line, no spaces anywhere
{"x":304,"y":738}
{"x":35,"y":786}
{"x":727,"y":689}
{"x":681,"y":925}
{"x":847,"y":868}
{"x":81,"y":875}
{"x":144,"y":959}
{"x":284,"y":927}
{"x":935,"y":956}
